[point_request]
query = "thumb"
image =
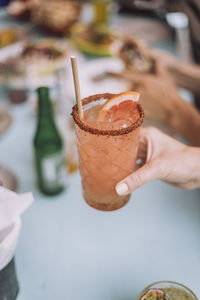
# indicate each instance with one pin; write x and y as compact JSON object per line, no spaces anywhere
{"x":143,"y":175}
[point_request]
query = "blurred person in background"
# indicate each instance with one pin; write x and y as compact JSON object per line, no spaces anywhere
{"x":160,"y":8}
{"x":192,"y":9}
{"x":159,"y":91}
{"x":161,"y":99}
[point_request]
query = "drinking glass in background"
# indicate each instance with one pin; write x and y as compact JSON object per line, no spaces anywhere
{"x":172,"y":291}
{"x":105,"y":156}
{"x":15,"y":74}
{"x":103,"y":11}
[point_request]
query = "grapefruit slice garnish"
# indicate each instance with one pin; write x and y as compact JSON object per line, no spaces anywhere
{"x":119,"y":107}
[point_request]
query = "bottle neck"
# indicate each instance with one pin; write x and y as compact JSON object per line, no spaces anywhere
{"x":45,"y":110}
{"x":47,"y":132}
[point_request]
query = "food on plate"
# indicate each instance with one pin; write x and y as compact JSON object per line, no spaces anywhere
{"x":95,"y":35}
{"x":45,"y":56}
{"x":93,"y":38}
{"x":57,"y":16}
{"x":172,"y":291}
{"x":45,"y":48}
{"x":134,"y":56}
{"x":154,"y":294}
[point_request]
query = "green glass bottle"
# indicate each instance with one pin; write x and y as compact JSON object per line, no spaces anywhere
{"x":49,"y":149}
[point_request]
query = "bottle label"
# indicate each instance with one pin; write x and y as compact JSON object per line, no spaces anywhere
{"x":53,"y":169}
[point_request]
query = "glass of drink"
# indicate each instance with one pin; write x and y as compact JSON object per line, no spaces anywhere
{"x":167,"y":290}
{"x":107,"y":151}
{"x":101,"y":11}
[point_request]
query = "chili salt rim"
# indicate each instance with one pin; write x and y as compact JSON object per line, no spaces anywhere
{"x":96,"y":131}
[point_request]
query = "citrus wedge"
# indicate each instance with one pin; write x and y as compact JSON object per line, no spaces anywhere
{"x":119,"y":107}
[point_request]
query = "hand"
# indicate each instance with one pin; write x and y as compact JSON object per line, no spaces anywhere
{"x":159,"y":95}
{"x":161,"y":57}
{"x":163,"y":158}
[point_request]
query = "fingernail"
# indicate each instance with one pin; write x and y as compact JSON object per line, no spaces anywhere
{"x":122,"y":188}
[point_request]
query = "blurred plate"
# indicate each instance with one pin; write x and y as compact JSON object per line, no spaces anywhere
{"x":8,"y":179}
{"x":95,"y":40}
{"x":11,"y":50}
{"x":5,"y":120}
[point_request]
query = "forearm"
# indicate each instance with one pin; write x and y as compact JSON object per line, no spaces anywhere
{"x":185,"y":121}
{"x":186,"y":75}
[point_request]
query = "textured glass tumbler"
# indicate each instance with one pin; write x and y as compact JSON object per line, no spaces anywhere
{"x":173,"y":290}
{"x":105,"y":158}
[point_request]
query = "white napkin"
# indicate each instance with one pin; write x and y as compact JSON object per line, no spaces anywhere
{"x":12,"y":205}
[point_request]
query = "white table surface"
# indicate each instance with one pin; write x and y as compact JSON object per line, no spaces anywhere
{"x":68,"y":250}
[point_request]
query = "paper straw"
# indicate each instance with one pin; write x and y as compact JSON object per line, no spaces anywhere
{"x":77,"y":87}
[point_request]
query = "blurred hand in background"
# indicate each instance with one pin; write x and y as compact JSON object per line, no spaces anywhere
{"x":184,"y":74}
{"x":162,"y":102}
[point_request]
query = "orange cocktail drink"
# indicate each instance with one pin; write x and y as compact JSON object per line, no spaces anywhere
{"x":107,"y":149}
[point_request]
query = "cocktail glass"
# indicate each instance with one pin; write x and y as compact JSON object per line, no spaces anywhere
{"x":105,"y":157}
{"x":173,"y":291}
